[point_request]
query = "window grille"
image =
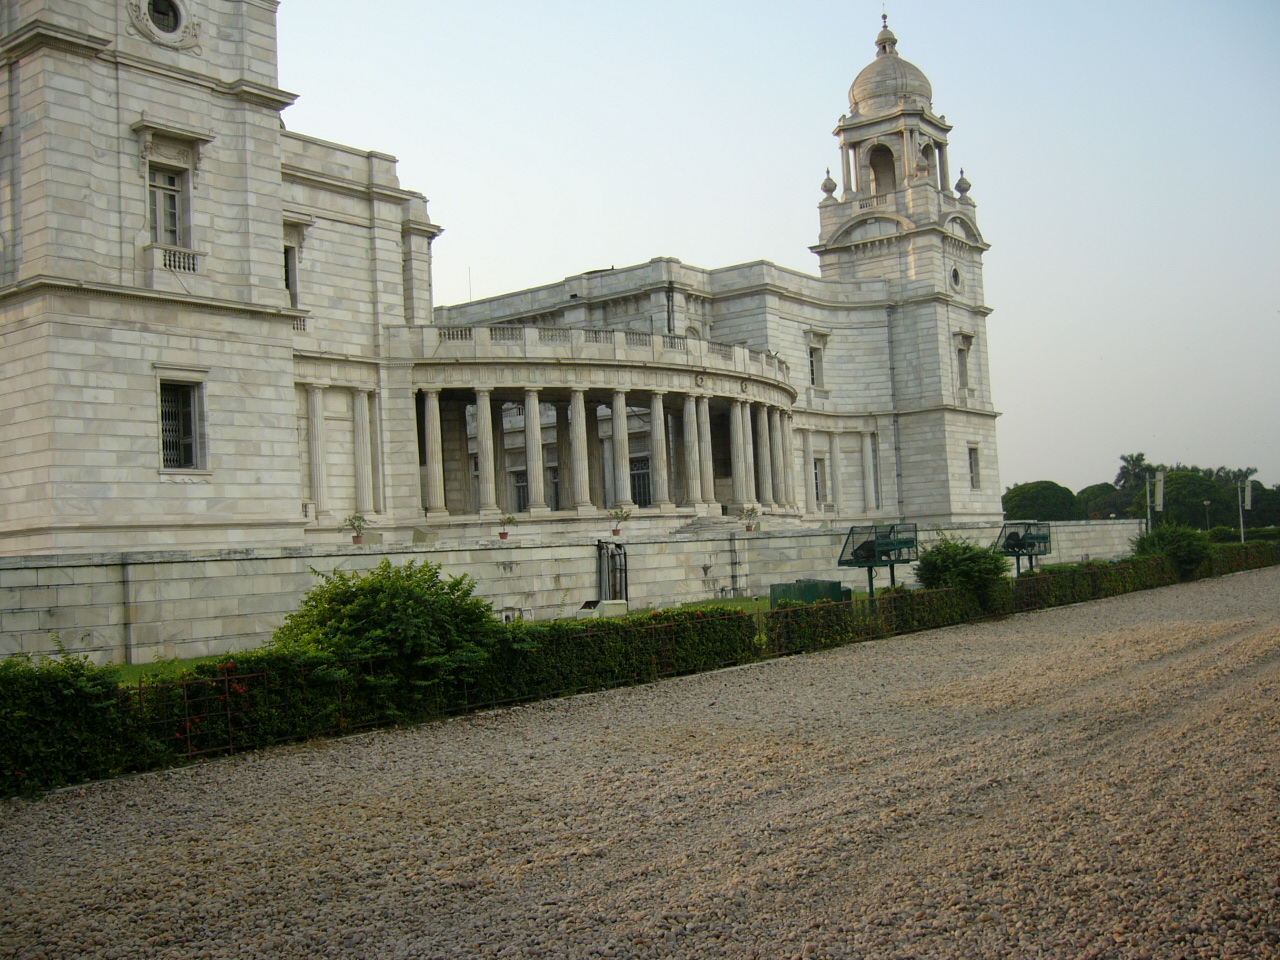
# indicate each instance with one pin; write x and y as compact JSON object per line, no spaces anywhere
{"x":641,"y":491}
{"x":180,"y":425}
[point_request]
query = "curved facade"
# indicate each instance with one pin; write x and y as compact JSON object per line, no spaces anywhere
{"x":236,"y":345}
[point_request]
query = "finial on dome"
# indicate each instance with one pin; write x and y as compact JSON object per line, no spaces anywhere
{"x":886,"y":42}
{"x":829,"y":186}
{"x":963,"y":185}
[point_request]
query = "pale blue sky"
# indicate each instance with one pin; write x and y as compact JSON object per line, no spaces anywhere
{"x":1125,"y":158}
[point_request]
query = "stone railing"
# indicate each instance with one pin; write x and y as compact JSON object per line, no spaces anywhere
{"x":533,"y":344}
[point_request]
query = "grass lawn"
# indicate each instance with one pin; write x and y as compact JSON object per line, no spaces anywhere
{"x":133,"y":672}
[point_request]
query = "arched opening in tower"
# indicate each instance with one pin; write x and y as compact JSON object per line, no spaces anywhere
{"x":884,"y":178}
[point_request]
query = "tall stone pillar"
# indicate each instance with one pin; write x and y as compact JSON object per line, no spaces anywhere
{"x":706,"y":465}
{"x":535,"y":475}
{"x":764,"y":450}
{"x":737,"y":456}
{"x":794,"y":493}
{"x":692,"y":466}
{"x":363,"y":450}
{"x":377,"y":480}
{"x":748,"y":453}
{"x":484,"y":453}
{"x":435,"y":456}
{"x":810,"y":494}
{"x":658,"y":451}
{"x":316,"y":447}
{"x":578,"y":457}
{"x":501,"y":480}
{"x":621,"y":451}
{"x":595,"y":456}
{"x":834,"y":468}
{"x":775,"y":460}
{"x":868,"y":474}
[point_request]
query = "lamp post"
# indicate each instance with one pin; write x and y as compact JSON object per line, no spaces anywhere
{"x":1206,"y":516}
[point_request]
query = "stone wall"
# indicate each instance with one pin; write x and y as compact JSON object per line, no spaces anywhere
{"x":135,"y":607}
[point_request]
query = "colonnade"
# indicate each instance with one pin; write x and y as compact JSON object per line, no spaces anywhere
{"x":760,"y":473}
{"x":759,"y":439}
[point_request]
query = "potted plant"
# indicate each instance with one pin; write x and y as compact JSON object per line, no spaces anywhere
{"x":749,"y":515}
{"x":619,"y":516}
{"x":357,"y":523}
{"x":507,"y":520}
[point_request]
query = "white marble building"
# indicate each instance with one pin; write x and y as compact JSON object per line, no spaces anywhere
{"x":215,"y":332}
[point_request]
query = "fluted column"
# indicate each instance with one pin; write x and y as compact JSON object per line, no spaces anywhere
{"x":658,"y":451}
{"x":581,"y":478}
{"x":316,"y":447}
{"x":737,"y":457}
{"x":868,"y":474}
{"x":363,"y":451}
{"x":534,"y":472}
{"x":692,"y":467}
{"x":764,"y":450}
{"x":748,"y":453}
{"x":484,"y":452}
{"x":435,"y":456}
{"x":706,"y":465}
{"x":833,"y":467}
{"x":621,"y":452}
{"x":775,"y":459}
{"x":789,"y":464}
{"x":810,"y":496}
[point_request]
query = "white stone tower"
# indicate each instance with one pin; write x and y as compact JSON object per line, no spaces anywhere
{"x":897,"y":219}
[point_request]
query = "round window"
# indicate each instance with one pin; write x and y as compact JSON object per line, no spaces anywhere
{"x":164,"y":14}
{"x":955,"y":278}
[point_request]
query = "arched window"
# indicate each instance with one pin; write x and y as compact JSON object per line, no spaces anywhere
{"x":884,"y":178}
{"x":930,"y":158}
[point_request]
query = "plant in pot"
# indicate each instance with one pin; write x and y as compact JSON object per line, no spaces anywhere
{"x":357,"y":523}
{"x":619,"y":516}
{"x":749,"y":516}
{"x":507,"y":520}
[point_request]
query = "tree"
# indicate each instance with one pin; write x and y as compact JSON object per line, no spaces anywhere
{"x":1134,"y":471}
{"x":1040,"y":500}
{"x":1184,"y":496}
{"x":958,"y":563}
{"x":1185,"y":548}
{"x":1100,"y":501}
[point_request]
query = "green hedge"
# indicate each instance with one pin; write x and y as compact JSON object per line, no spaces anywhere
{"x":64,"y":720}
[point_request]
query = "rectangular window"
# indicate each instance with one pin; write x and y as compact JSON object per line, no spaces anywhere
{"x":975,"y":471}
{"x":819,"y":480}
{"x":815,"y":366}
{"x":181,"y":424}
{"x":291,"y":274}
{"x":962,"y":367}
{"x":168,"y":201}
{"x":641,"y":492}
{"x":521,"y":480}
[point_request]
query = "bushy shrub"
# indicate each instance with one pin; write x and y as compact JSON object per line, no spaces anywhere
{"x":1186,"y":547}
{"x":958,"y":563}
{"x":1224,"y":535}
{"x":408,"y":613}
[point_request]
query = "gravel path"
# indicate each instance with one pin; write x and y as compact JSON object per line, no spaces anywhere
{"x":1094,"y":781}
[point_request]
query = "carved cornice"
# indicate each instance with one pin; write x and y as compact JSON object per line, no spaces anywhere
{"x":41,"y":33}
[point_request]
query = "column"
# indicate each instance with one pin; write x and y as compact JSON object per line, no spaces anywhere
{"x":692,"y":467}
{"x":748,"y":453}
{"x":564,"y":459}
{"x":658,"y":451}
{"x":484,"y":452}
{"x":846,"y":170}
{"x":621,"y":451}
{"x":775,"y":462}
{"x":375,"y":448}
{"x":944,"y":168}
{"x":435,"y":456}
{"x":810,"y":499}
{"x":596,"y":467}
{"x":534,"y":473}
{"x":501,"y":480}
{"x":868,"y":474}
{"x":833,"y":468}
{"x":764,"y":449}
{"x":363,"y":451}
{"x":737,"y":466}
{"x":707,"y":466}
{"x":581,"y":478}
{"x":789,"y":460}
{"x":315,"y":447}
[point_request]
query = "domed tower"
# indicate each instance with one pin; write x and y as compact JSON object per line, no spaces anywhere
{"x":896,"y":218}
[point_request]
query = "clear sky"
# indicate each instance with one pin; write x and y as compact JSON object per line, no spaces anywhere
{"x":1125,"y":158}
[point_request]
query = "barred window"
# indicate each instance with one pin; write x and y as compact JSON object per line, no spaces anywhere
{"x":181,"y":423}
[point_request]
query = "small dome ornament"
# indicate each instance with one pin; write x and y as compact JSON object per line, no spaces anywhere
{"x":963,"y":186}
{"x":828,"y":187}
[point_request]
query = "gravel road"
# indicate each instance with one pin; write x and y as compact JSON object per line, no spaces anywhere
{"x":1094,"y":781}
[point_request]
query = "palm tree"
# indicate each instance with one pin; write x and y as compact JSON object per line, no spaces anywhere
{"x":1134,"y":471}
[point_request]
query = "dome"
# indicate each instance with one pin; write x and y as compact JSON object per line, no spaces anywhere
{"x":888,"y":80}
